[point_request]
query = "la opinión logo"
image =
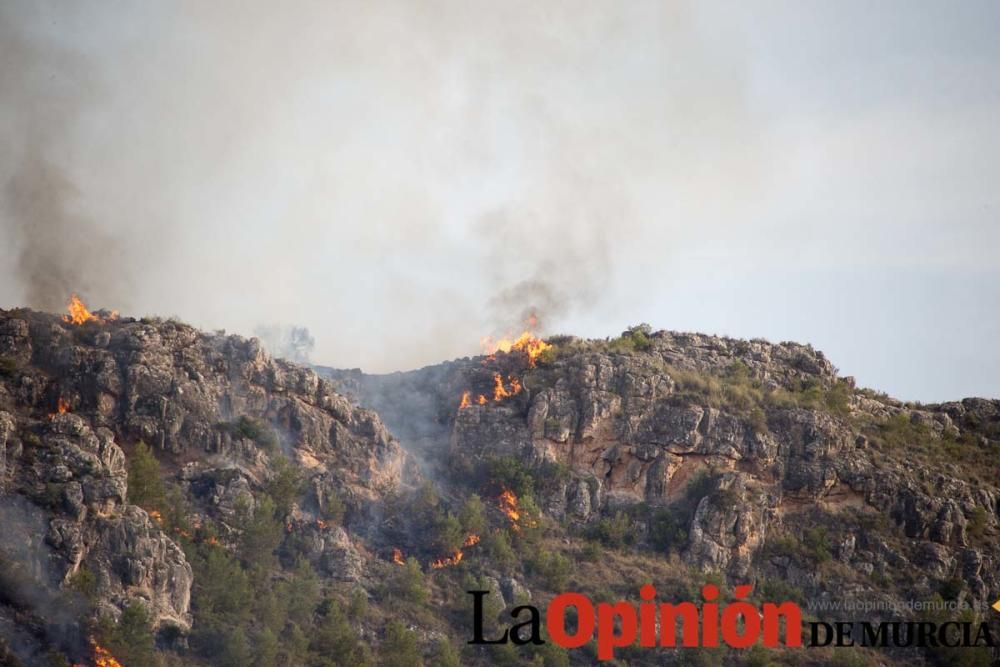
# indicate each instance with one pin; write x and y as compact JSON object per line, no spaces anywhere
{"x":737,"y":624}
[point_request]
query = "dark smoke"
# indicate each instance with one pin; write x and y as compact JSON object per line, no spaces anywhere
{"x":45,"y":90}
{"x":537,"y":301}
{"x":59,"y":253}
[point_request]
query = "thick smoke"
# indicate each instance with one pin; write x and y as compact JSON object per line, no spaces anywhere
{"x":54,"y":249}
{"x":404,"y":178}
{"x":58,"y":253}
{"x":400,"y":181}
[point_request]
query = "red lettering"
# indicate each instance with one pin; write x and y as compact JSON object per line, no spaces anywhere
{"x":607,"y":640}
{"x":555,"y":620}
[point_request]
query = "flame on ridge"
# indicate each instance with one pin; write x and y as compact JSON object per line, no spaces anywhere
{"x":77,"y":312}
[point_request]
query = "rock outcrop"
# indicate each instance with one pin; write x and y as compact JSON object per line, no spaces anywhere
{"x":75,"y":398}
{"x":778,"y":441}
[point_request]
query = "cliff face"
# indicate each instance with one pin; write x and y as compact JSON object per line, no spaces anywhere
{"x":75,"y":398}
{"x":754,"y":447}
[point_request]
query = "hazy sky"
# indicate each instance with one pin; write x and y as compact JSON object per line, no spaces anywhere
{"x":404,"y":178}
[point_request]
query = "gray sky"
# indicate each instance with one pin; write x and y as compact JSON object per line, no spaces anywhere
{"x":404,"y":178}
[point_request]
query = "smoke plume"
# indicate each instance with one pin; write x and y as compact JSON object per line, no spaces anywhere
{"x":404,"y":178}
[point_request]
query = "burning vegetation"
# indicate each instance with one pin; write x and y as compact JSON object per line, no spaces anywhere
{"x":500,"y":392}
{"x":456,"y":557}
{"x":526,"y":344}
{"x":103,"y":657}
{"x":510,"y":507}
{"x":62,"y":407}
{"x":77,"y":313}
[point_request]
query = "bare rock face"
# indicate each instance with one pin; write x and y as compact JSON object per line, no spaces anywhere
{"x":75,"y":398}
{"x":77,"y":476}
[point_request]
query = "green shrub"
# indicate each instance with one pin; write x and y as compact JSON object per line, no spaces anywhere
{"x":130,"y":640}
{"x":725,"y":498}
{"x":408,"y":583}
{"x":261,"y":536}
{"x":85,"y":583}
{"x":8,"y":367}
{"x":813,"y":546}
{"x":950,"y":589}
{"x":977,"y":523}
{"x":472,"y":516}
{"x":335,"y":638}
{"x":358,"y":607}
{"x":509,"y":473}
{"x":553,"y":568}
{"x":444,"y":655}
{"x":145,"y":484}
{"x":447,"y":535}
{"x":817,"y":543}
{"x":252,"y":429}
{"x":498,"y":549}
{"x":400,"y":648}
{"x":590,"y":552}
{"x":617,"y":531}
{"x":634,"y":339}
{"x":286,"y":485}
{"x":548,"y":355}
{"x":667,"y":530}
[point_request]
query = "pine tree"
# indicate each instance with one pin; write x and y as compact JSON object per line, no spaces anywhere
{"x":145,"y":486}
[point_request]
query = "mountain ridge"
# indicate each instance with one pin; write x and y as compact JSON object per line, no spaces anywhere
{"x":679,"y":456}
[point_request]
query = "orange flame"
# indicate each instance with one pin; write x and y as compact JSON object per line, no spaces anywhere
{"x":527,"y":342}
{"x":445,"y":562}
{"x":62,"y":408}
{"x":78,"y":313}
{"x":103,"y":657}
{"x":397,"y":556}
{"x":456,"y":557}
{"x":321,"y":524}
{"x":212,"y":540}
{"x":499,"y":391}
{"x":156,"y":516}
{"x":508,"y":505}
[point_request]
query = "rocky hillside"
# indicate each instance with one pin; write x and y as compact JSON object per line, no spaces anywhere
{"x":744,"y":459}
{"x":75,"y":399}
{"x":176,"y":497}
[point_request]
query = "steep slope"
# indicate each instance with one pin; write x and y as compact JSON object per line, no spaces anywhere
{"x":75,"y":398}
{"x":744,"y":458}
